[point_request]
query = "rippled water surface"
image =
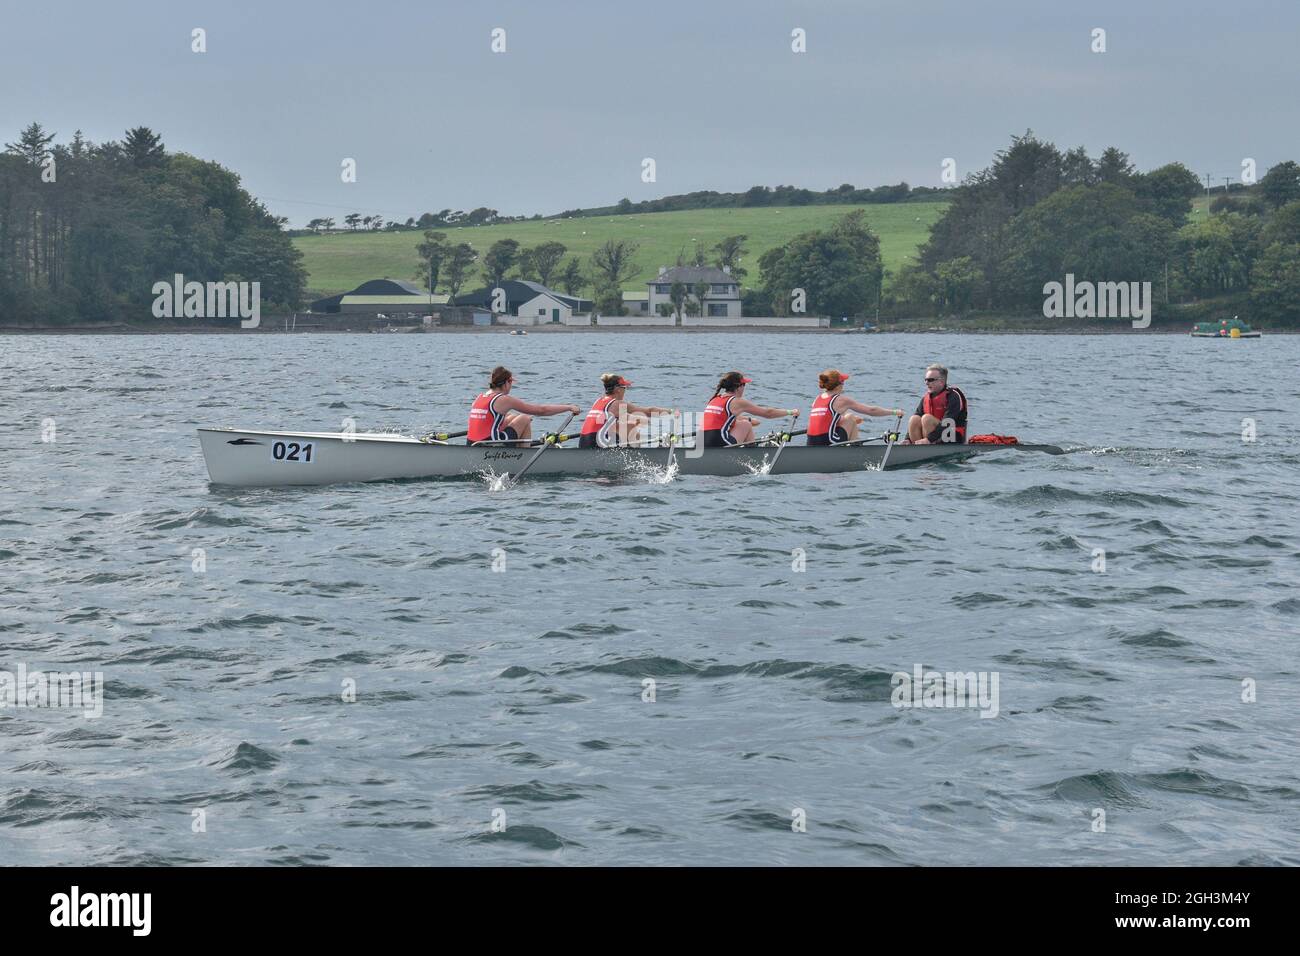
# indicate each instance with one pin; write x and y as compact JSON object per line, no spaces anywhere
{"x":519,"y":696}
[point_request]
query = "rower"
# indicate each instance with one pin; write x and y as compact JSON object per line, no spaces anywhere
{"x":613,"y":420}
{"x":724,"y":422}
{"x":940,"y":418}
{"x":829,"y":422}
{"x":498,"y":416}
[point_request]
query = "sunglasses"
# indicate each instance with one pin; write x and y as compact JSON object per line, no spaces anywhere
{"x":934,"y":380}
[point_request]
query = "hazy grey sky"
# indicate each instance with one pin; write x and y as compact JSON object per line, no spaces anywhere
{"x":710,"y":89}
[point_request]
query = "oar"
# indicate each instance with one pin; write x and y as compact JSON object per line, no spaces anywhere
{"x":891,"y":441}
{"x":672,"y":453}
{"x":1047,"y":449}
{"x":443,"y":436}
{"x":784,"y":440}
{"x":672,"y":449}
{"x":669,"y":439}
{"x":862,"y":441}
{"x":546,"y":443}
{"x":785,"y":436}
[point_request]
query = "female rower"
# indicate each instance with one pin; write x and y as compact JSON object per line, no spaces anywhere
{"x":496,"y":415}
{"x":829,"y":422}
{"x":613,"y":420}
{"x":723,"y":422}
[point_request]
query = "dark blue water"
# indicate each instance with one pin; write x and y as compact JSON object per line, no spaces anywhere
{"x":519,"y":695}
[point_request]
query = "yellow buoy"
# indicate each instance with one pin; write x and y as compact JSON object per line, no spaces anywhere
{"x":1235,"y":334}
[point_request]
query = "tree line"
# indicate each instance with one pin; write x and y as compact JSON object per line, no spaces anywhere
{"x":1038,"y":213}
{"x":1034,"y":216}
{"x":86,"y":229}
{"x":482,"y":216}
{"x":755,"y":196}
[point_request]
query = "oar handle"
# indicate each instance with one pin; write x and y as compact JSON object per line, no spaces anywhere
{"x":558,"y":435}
{"x":781,"y":435}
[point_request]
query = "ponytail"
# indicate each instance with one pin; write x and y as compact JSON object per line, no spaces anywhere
{"x":729,"y":383}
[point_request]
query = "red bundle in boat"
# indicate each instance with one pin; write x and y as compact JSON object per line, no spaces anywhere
{"x":993,"y":440}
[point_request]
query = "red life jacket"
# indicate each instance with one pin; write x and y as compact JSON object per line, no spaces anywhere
{"x":823,"y":419}
{"x":937,"y":405}
{"x":485,"y":422}
{"x":600,"y":423}
{"x":718,"y":416}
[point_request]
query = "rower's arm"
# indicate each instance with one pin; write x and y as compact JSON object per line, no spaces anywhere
{"x":745,"y":405}
{"x":648,"y":410}
{"x":875,"y":411}
{"x":513,"y":404}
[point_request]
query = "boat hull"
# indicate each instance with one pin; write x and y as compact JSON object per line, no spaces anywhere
{"x":272,"y":458}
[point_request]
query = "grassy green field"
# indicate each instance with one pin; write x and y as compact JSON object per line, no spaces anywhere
{"x":336,"y":263}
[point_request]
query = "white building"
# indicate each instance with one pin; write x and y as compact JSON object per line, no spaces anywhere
{"x":545,"y":307}
{"x":721,"y":301}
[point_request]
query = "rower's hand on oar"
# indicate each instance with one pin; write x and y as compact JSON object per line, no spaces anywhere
{"x":572,"y":409}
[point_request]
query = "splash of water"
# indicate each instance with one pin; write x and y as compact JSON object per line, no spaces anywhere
{"x":651,"y":473}
{"x":667,"y":474}
{"x":494,"y":481}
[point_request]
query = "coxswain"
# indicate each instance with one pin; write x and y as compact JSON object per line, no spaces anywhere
{"x":940,"y":418}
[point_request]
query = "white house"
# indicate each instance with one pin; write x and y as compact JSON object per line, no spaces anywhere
{"x":545,"y":307}
{"x":721,"y":301}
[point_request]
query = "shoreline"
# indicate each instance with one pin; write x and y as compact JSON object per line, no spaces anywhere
{"x":117,"y":329}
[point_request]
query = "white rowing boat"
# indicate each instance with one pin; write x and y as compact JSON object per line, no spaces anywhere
{"x":270,"y":458}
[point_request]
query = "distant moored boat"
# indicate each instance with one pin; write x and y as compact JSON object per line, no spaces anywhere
{"x":1232,"y":328}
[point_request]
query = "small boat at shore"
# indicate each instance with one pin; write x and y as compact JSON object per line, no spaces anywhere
{"x":1232,"y":328}
{"x":274,"y":458}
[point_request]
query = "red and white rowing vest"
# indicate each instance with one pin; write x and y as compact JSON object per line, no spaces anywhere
{"x":719,"y":418}
{"x":600,"y":422}
{"x":485,"y":422}
{"x":823,"y":419}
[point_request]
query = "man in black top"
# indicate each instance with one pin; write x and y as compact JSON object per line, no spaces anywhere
{"x":941,"y":414}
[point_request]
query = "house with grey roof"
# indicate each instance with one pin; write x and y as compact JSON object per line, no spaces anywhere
{"x":721,"y":300}
{"x":527,"y":299}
